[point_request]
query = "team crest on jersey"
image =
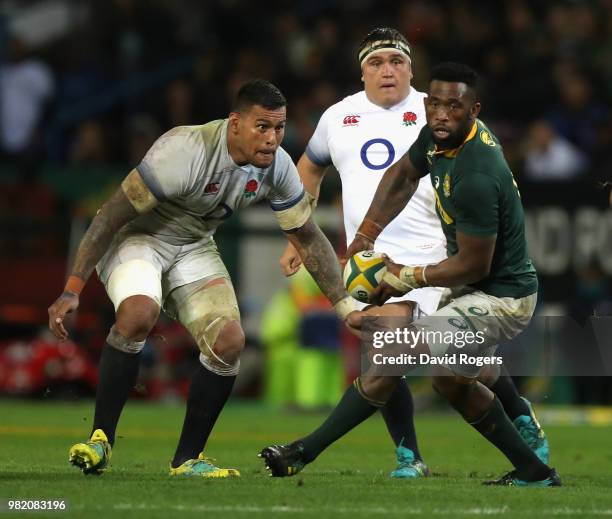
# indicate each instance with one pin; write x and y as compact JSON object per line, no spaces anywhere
{"x":351,"y":120}
{"x":486,"y":138}
{"x":250,"y":189}
{"x":409,"y":119}
{"x":212,"y":188}
{"x":446,"y":185}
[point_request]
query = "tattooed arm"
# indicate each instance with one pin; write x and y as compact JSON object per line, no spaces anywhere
{"x":130,"y":200}
{"x":320,"y":260}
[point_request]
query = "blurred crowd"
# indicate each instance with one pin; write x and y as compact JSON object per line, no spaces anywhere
{"x":124,"y":71}
{"x":111,"y":76}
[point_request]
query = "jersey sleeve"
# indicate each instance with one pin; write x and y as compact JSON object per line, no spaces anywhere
{"x":318,"y":147}
{"x":476,"y":200}
{"x":418,"y":151}
{"x":168,"y":167}
{"x":287,"y":188}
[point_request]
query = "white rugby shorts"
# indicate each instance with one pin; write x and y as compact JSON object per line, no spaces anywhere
{"x":496,"y":318}
{"x":140,"y":264}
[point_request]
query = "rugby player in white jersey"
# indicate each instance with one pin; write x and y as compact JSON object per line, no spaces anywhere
{"x":152,"y":243}
{"x":362,"y":136}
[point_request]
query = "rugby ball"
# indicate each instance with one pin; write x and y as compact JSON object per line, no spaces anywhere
{"x":362,"y":274}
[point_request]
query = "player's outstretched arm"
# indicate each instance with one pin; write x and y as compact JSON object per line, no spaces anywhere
{"x":130,"y":200}
{"x":321,"y":261}
{"x":394,"y":191}
{"x":312,"y":176}
{"x":471,"y":264}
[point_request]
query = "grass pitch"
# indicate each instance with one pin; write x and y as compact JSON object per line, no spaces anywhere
{"x":349,"y":480}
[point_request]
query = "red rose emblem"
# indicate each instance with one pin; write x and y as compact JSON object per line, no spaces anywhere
{"x":409,"y":118}
{"x":250,"y":188}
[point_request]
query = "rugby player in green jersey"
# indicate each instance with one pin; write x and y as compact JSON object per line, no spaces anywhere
{"x":494,"y":284}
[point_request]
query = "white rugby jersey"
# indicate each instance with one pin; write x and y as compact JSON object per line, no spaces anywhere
{"x":362,"y":140}
{"x":198,"y":185}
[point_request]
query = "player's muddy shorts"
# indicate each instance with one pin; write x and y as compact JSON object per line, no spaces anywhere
{"x":478,"y":322}
{"x":140,"y":264}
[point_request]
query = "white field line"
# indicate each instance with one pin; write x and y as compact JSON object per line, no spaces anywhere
{"x":379,"y":510}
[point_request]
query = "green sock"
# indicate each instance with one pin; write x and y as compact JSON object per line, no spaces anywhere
{"x":353,"y":408}
{"x":496,"y":427}
{"x":509,"y":396}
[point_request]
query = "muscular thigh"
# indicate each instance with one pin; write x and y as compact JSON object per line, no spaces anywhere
{"x":142,"y":264}
{"x":482,"y":321}
{"x":134,"y":266}
{"x":195,"y":263}
{"x":204,"y":307}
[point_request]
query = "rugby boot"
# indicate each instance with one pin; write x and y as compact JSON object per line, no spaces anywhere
{"x":283,"y":460}
{"x":203,"y":467}
{"x":511,"y":480}
{"x":533,"y":434}
{"x":93,"y":456}
{"x":408,"y":466}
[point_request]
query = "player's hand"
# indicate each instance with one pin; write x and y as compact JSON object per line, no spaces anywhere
{"x":290,"y":261}
{"x":63,"y":305}
{"x":354,"y":321}
{"x":358,"y":244}
{"x":384,"y":291}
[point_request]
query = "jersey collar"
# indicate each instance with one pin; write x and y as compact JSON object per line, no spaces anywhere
{"x":450,"y":154}
{"x":396,"y":107}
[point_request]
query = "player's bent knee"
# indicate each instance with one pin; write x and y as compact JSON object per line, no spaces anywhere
{"x":451,"y":386}
{"x":122,"y":343}
{"x":230,"y":342}
{"x":212,"y":317}
{"x":220,"y":341}
{"x":489,"y":375}
{"x":136,"y":317}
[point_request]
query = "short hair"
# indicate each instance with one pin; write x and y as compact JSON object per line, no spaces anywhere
{"x":259,"y":92}
{"x":456,"y":73}
{"x":383,"y":34}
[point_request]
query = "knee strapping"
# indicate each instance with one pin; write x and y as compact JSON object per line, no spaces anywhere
{"x":220,"y":368}
{"x":206,"y":336}
{"x":119,"y":342}
{"x":205,"y":313}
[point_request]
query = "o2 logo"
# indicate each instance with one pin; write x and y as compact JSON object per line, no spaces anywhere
{"x":366,"y":147}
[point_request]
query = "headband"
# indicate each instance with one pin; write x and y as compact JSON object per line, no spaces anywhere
{"x":383,"y":45}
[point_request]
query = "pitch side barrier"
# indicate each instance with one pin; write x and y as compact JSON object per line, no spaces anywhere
{"x":547,"y":346}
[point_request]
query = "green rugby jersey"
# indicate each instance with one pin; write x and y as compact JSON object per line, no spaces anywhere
{"x":476,"y":195}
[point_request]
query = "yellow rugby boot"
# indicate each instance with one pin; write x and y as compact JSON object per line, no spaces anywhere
{"x":91,"y":457}
{"x":203,"y":467}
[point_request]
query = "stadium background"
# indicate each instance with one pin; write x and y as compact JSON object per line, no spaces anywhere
{"x":87,"y":86}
